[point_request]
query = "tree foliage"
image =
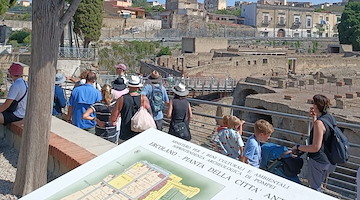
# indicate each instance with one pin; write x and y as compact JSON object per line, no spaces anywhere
{"x":140,"y":3}
{"x":236,"y":12}
{"x":349,"y":27}
{"x":5,"y":4}
{"x":128,"y":53}
{"x":20,"y":35}
{"x":88,"y":20}
{"x":164,"y":51}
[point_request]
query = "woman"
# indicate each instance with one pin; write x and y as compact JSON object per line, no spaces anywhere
{"x":103,"y":109}
{"x":179,"y":110}
{"x":126,"y":107}
{"x":319,"y":165}
{"x":14,"y":107}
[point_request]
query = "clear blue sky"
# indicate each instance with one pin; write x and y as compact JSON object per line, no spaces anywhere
{"x":232,"y":2}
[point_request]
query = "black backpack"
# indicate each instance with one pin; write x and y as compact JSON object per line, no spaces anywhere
{"x":336,"y":147}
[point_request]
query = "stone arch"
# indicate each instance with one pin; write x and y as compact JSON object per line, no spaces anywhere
{"x":253,"y":117}
{"x":240,"y":99}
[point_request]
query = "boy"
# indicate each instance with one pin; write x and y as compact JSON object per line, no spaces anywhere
{"x":229,"y":141}
{"x":224,"y":123}
{"x":252,"y":151}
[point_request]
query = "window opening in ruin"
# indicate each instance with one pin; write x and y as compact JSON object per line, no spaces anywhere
{"x":265,"y":61}
{"x":249,"y":63}
{"x":254,"y":62}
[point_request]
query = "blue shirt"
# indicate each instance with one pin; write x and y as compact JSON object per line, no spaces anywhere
{"x":147,"y":90}
{"x":82,"y":97}
{"x":59,"y":100}
{"x":253,"y":151}
{"x":230,"y":142}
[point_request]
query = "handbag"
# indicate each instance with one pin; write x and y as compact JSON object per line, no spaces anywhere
{"x":181,"y":130}
{"x":142,"y":120}
{"x":14,"y":103}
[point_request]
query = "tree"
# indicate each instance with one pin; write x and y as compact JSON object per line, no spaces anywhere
{"x":47,"y":25}
{"x":235,"y":12}
{"x":140,"y":3}
{"x":88,"y":20}
{"x":349,"y":27}
{"x":164,"y":51}
{"x":5,"y":4}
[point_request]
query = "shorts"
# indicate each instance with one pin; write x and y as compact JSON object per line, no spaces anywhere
{"x":10,"y":117}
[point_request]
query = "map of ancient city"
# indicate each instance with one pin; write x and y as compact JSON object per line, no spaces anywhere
{"x":142,"y":180}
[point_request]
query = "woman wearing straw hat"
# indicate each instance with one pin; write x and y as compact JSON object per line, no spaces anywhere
{"x":127,"y":105}
{"x":179,"y":110}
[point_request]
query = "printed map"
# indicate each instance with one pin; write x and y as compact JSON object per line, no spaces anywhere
{"x":142,"y":180}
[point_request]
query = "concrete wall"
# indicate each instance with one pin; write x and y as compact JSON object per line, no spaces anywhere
{"x":203,"y":44}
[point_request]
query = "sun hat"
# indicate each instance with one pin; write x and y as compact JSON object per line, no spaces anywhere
{"x":154,"y":77}
{"x":118,"y":84}
{"x":180,"y":90}
{"x":59,"y":78}
{"x":16,"y":69}
{"x":121,"y":66}
{"x":134,"y":81}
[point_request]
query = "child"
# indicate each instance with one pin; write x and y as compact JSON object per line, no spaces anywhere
{"x":229,"y":141}
{"x":252,"y":151}
{"x":224,"y":123}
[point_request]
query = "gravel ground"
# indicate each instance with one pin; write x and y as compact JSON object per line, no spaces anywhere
{"x":8,"y":161}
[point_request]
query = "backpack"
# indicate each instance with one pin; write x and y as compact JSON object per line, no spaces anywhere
{"x":156,"y":99}
{"x":337,"y":145}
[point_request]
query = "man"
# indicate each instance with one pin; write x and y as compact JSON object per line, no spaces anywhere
{"x":82,"y":97}
{"x":120,"y":70}
{"x":59,"y":96}
{"x":15,"y":104}
{"x":157,"y":95}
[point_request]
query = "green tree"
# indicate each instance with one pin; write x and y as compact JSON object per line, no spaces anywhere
{"x":88,"y":20}
{"x":236,"y":12}
{"x":349,"y":27}
{"x":19,"y":35}
{"x":47,"y":25}
{"x":140,"y":3}
{"x":5,"y":4}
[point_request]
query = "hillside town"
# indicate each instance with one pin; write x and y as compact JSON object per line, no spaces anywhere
{"x":257,"y":92}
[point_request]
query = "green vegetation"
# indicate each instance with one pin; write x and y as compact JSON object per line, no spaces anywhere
{"x":5,"y":4}
{"x":315,"y":46}
{"x":88,"y":20}
{"x":164,"y":51}
{"x":153,"y":9}
{"x":319,"y":10}
{"x":128,"y":53}
{"x":140,"y":3}
{"x":20,"y":35}
{"x":229,"y":12}
{"x":349,"y":27}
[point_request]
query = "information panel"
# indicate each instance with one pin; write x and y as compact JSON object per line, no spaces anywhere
{"x":155,"y":165}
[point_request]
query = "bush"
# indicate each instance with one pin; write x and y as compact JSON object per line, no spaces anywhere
{"x":20,"y":35}
{"x":27,"y":40}
{"x":164,"y":51}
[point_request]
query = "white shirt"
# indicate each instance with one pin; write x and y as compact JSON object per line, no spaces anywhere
{"x":16,"y":91}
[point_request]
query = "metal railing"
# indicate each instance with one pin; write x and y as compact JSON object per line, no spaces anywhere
{"x":341,"y":183}
{"x":200,"y":84}
{"x":78,"y":53}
